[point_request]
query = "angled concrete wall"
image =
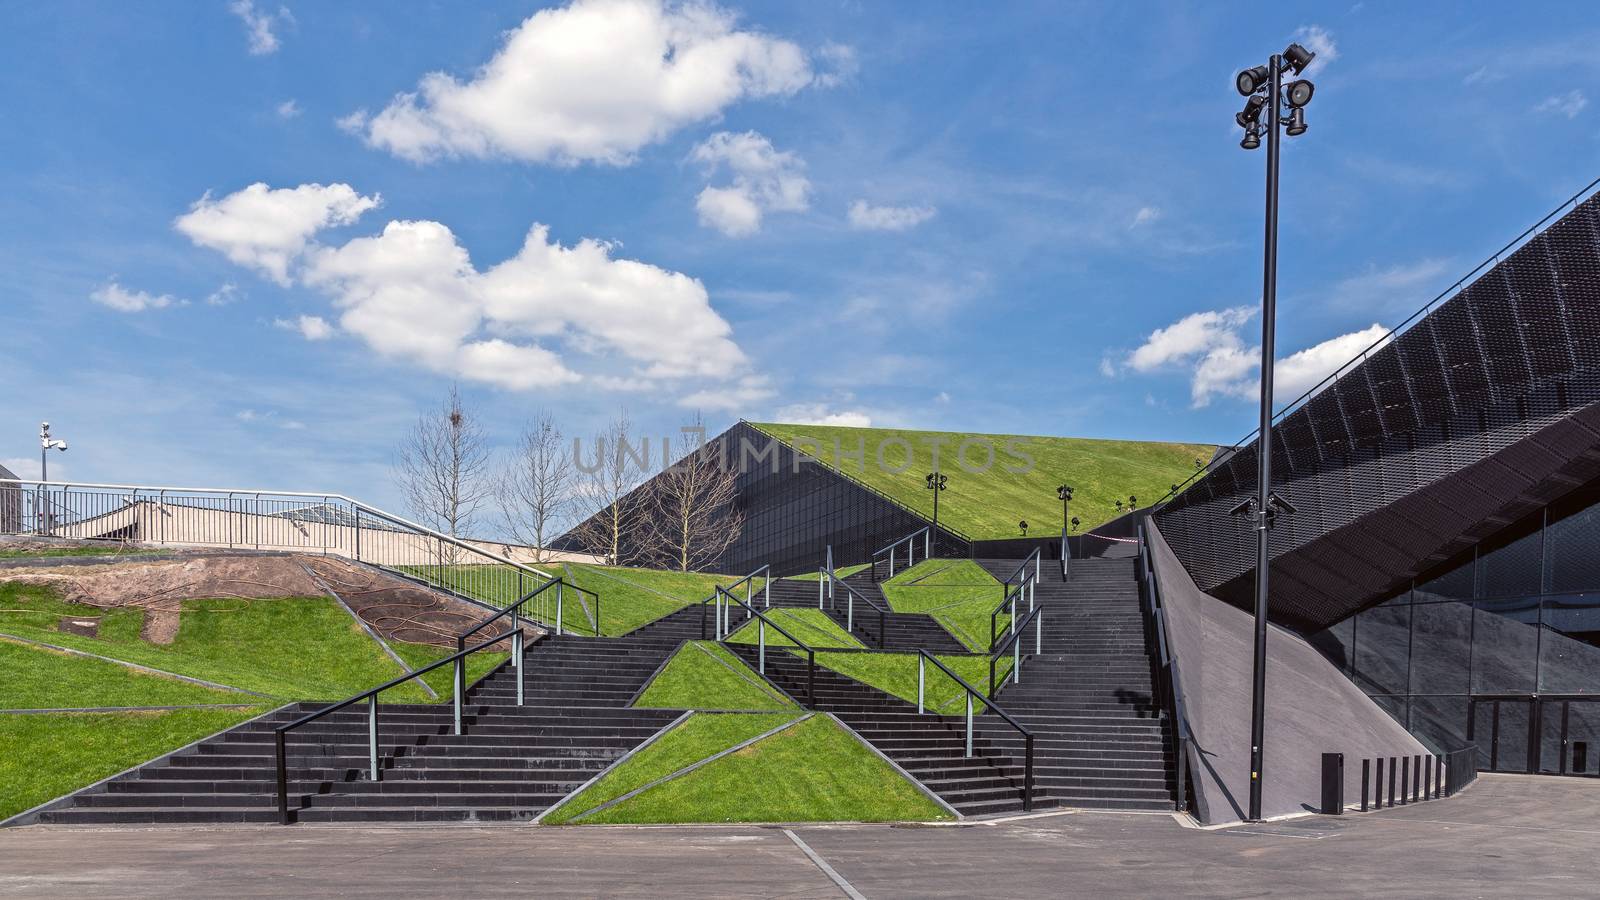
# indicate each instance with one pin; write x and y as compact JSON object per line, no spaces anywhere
{"x":1312,"y":708}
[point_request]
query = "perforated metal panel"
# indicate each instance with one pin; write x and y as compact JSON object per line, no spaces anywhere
{"x":1482,"y":410}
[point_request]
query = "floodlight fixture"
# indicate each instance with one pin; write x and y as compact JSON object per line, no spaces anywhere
{"x":1298,"y":57}
{"x":1295,"y":125}
{"x":1298,"y":93}
{"x":1250,"y":80}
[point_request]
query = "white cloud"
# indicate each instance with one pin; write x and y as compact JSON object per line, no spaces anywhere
{"x":223,"y":295}
{"x":1195,"y":335}
{"x":1145,"y":216}
{"x":942,"y":398}
{"x":1319,"y":41}
{"x":594,"y":81}
{"x":289,"y":109}
{"x":1400,"y":286}
{"x":412,"y":293}
{"x":268,"y":229}
{"x":259,"y":25}
{"x":1569,"y":104}
{"x":867,"y":217}
{"x":312,"y":328}
{"x":741,"y":394}
{"x":249,"y":415}
{"x":121,"y":299}
{"x":1224,"y":366}
{"x":1108,"y":368}
{"x":822,"y":414}
{"x":764,"y":180}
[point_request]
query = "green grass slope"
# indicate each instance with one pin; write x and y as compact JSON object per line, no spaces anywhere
{"x":989,"y":504}
{"x":896,"y":674}
{"x":37,"y":678}
{"x":810,"y":772}
{"x":812,"y":626}
{"x":956,"y":592}
{"x":704,"y":675}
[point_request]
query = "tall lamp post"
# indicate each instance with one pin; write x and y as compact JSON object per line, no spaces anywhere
{"x":46,"y":444}
{"x":1065,"y":493}
{"x":1284,"y":105}
{"x":936,"y":483}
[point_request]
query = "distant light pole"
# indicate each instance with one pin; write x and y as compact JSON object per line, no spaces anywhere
{"x":1264,"y":90}
{"x":936,"y":483}
{"x":1065,"y":493}
{"x":46,"y":444}
{"x":1024,"y":526}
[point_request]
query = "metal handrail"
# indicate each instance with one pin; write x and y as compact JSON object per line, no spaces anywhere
{"x":850,"y":606}
{"x":1034,"y":558}
{"x":1013,"y":595}
{"x":761,"y":643}
{"x":723,"y":625}
{"x":518,"y":638}
{"x":1361,"y":357}
{"x":1170,"y":681}
{"x":748,"y":582}
{"x":910,"y":540}
{"x":923,"y":658}
{"x":1013,"y":643}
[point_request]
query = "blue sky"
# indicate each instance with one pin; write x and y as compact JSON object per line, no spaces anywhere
{"x":1026,"y":218}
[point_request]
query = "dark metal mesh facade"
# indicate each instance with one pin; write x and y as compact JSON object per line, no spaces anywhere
{"x":1479,"y":412}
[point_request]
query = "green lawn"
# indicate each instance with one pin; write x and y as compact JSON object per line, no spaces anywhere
{"x":704,"y":675}
{"x":989,"y":504}
{"x":305,"y":648}
{"x":45,"y":756}
{"x":896,"y":673}
{"x":811,"y":772}
{"x":958,"y":593}
{"x":37,"y":678}
{"x":107,"y":550}
{"x":842,"y":572}
{"x":631,"y":597}
{"x":812,"y":626}
{"x":699,"y":736}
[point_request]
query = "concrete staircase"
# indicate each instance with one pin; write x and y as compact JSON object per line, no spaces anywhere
{"x":509,"y":764}
{"x":1100,"y":741}
{"x":901,"y":631}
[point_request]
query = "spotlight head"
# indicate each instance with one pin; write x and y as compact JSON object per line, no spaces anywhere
{"x":1064,"y":492}
{"x":1252,"y":111}
{"x":1298,"y":57}
{"x":1250,"y":80}
{"x":1298,"y":93}
{"x":1295,"y":125}
{"x":1252,"y":140}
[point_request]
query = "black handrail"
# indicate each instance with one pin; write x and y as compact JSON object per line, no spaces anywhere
{"x":883,"y":614}
{"x":988,"y":701}
{"x":1168,"y":680}
{"x":594,"y":594}
{"x":1422,"y":311}
{"x":1030,"y":558}
{"x":811,"y":654}
{"x":1012,"y":596}
{"x":371,"y":696}
{"x":1016,"y":633}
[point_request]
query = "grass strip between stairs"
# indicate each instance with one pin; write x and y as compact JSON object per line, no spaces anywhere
{"x":704,"y":675}
{"x":811,"y":771}
{"x":896,"y":674}
{"x":813,"y":627}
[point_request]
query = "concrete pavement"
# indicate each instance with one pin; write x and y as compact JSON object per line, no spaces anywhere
{"x":1507,"y":836}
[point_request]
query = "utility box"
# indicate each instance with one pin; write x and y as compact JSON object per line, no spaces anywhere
{"x":1333,"y":784}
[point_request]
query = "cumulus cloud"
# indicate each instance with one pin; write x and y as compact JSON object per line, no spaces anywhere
{"x":267,"y":229}
{"x":260,"y":26}
{"x":289,"y":109}
{"x":594,"y":81}
{"x":312,"y":328}
{"x":412,"y":293}
{"x":223,"y":295}
{"x":822,"y":414}
{"x":1403,"y":285}
{"x":1221,"y":364}
{"x":1569,"y":104}
{"x":121,"y":299}
{"x":764,"y":180}
{"x":1145,"y":216}
{"x":867,"y":217}
{"x":740,"y":394}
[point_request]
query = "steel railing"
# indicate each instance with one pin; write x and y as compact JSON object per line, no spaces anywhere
{"x":1013,"y":644}
{"x":1167,"y":680}
{"x":1021,"y":576}
{"x":1014,"y":595}
{"x":1420,"y":777}
{"x":892,"y":549}
{"x":724,"y":623}
{"x":762,"y":622}
{"x":290,"y":521}
{"x":374,"y":771}
{"x":923,"y":658}
{"x":1066,"y":555}
{"x":851,"y":596}
{"x":1356,"y":361}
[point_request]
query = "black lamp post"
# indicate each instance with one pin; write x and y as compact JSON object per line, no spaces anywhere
{"x":1264,"y":91}
{"x":1065,"y":493}
{"x":937,"y":484}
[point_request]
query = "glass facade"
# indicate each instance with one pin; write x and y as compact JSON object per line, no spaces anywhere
{"x":1499,"y":646}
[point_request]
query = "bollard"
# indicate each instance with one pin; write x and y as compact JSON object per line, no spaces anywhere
{"x":1333,"y":784}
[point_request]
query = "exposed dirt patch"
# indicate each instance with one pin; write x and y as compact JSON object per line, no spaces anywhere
{"x":398,"y":609}
{"x":160,"y":626}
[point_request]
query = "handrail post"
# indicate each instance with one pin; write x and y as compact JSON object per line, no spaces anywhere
{"x":1016,"y":658}
{"x":372,"y":736}
{"x":283,"y":778}
{"x":969,"y":724}
{"x":927,"y":544}
{"x":850,"y":613}
{"x":461,"y":688}
{"x":522,"y":671}
{"x":1038,"y":635}
{"x":1027,"y":777}
{"x":811,"y":677}
{"x":559,"y":586}
{"x":766,"y":589}
{"x":922,"y":676}
{"x":761,"y":646}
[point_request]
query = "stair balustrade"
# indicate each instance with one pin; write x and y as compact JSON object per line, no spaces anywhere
{"x":923,"y":658}
{"x":1165,"y":663}
{"x":762,"y":623}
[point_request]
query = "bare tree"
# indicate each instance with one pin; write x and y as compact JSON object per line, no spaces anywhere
{"x":443,"y":467}
{"x":611,"y":516}
{"x":692,"y":516}
{"x":536,"y":488}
